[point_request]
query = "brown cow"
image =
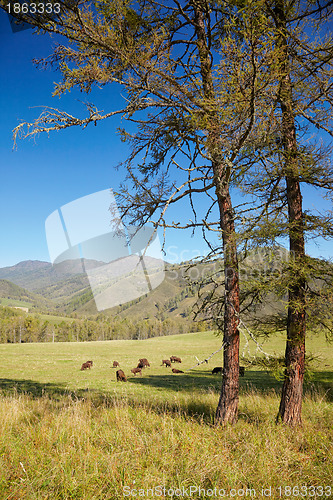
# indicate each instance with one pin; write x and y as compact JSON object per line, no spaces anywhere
{"x":115,"y":364}
{"x":175,"y":359}
{"x":121,"y":376}
{"x":137,"y":370}
{"x":166,"y":362}
{"x":87,"y":364}
{"x":174,"y":370}
{"x":144,"y":362}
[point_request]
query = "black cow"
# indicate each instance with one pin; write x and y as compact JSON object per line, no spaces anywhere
{"x":217,"y":369}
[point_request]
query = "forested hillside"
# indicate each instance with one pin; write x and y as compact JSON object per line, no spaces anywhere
{"x":64,"y":310}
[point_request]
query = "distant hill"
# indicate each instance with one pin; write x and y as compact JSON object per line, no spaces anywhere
{"x":65,"y":288}
{"x":173,"y":298}
{"x":15,"y":296}
{"x":48,"y":287}
{"x":35,"y":274}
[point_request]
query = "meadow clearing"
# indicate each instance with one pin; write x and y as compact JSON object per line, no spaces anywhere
{"x":71,"y":434}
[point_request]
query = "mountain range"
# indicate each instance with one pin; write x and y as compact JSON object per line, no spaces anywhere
{"x":65,"y":289}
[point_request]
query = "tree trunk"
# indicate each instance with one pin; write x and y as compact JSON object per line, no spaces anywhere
{"x":290,"y":410}
{"x":291,"y":399}
{"x":227,"y":410}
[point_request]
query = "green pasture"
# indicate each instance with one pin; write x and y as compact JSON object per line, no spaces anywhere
{"x":54,"y":368}
{"x":15,"y":303}
{"x":53,"y":319}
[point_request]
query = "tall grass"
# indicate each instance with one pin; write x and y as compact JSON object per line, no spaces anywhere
{"x":102,"y":449}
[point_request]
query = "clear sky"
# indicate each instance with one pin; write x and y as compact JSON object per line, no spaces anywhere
{"x":42,"y":175}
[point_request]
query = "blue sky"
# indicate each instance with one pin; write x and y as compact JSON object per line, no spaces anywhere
{"x":42,"y":175}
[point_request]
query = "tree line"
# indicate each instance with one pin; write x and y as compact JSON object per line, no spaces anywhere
{"x":17,"y":327}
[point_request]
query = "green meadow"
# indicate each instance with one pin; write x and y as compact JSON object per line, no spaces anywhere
{"x":67,"y":433}
{"x":15,"y":303}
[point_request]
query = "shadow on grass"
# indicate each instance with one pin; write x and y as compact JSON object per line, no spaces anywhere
{"x":205,"y":381}
{"x":201,"y":412}
{"x":259,"y":381}
{"x":188,"y":383}
{"x":37,"y":390}
{"x":181,"y":382}
{"x":320,"y":383}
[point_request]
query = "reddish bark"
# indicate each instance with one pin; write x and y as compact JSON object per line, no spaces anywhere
{"x":227,"y":410}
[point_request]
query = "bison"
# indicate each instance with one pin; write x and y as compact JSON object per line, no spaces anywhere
{"x":115,"y":364}
{"x":144,"y":362}
{"x":137,"y":370}
{"x":87,"y":364}
{"x":175,"y":359}
{"x":121,"y":377}
{"x":166,"y":362}
{"x":217,"y":369}
{"x":175,"y":370}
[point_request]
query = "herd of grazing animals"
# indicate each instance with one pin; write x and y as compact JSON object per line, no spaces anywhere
{"x":144,"y":363}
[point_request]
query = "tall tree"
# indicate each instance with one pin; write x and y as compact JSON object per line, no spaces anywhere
{"x":291,"y":400}
{"x":301,"y":63}
{"x":302,"y":71}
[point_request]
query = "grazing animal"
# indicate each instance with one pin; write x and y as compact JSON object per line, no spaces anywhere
{"x":140,"y":365}
{"x":166,"y":362}
{"x":121,"y":377}
{"x":137,"y":370}
{"x":87,"y":364}
{"x":175,"y":359}
{"x":174,"y":370}
{"x":217,"y":369}
{"x":115,"y":364}
{"x":144,"y":362}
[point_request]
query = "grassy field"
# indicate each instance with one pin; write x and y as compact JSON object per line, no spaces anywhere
{"x":15,"y":303}
{"x":70,"y":434}
{"x":52,"y":319}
